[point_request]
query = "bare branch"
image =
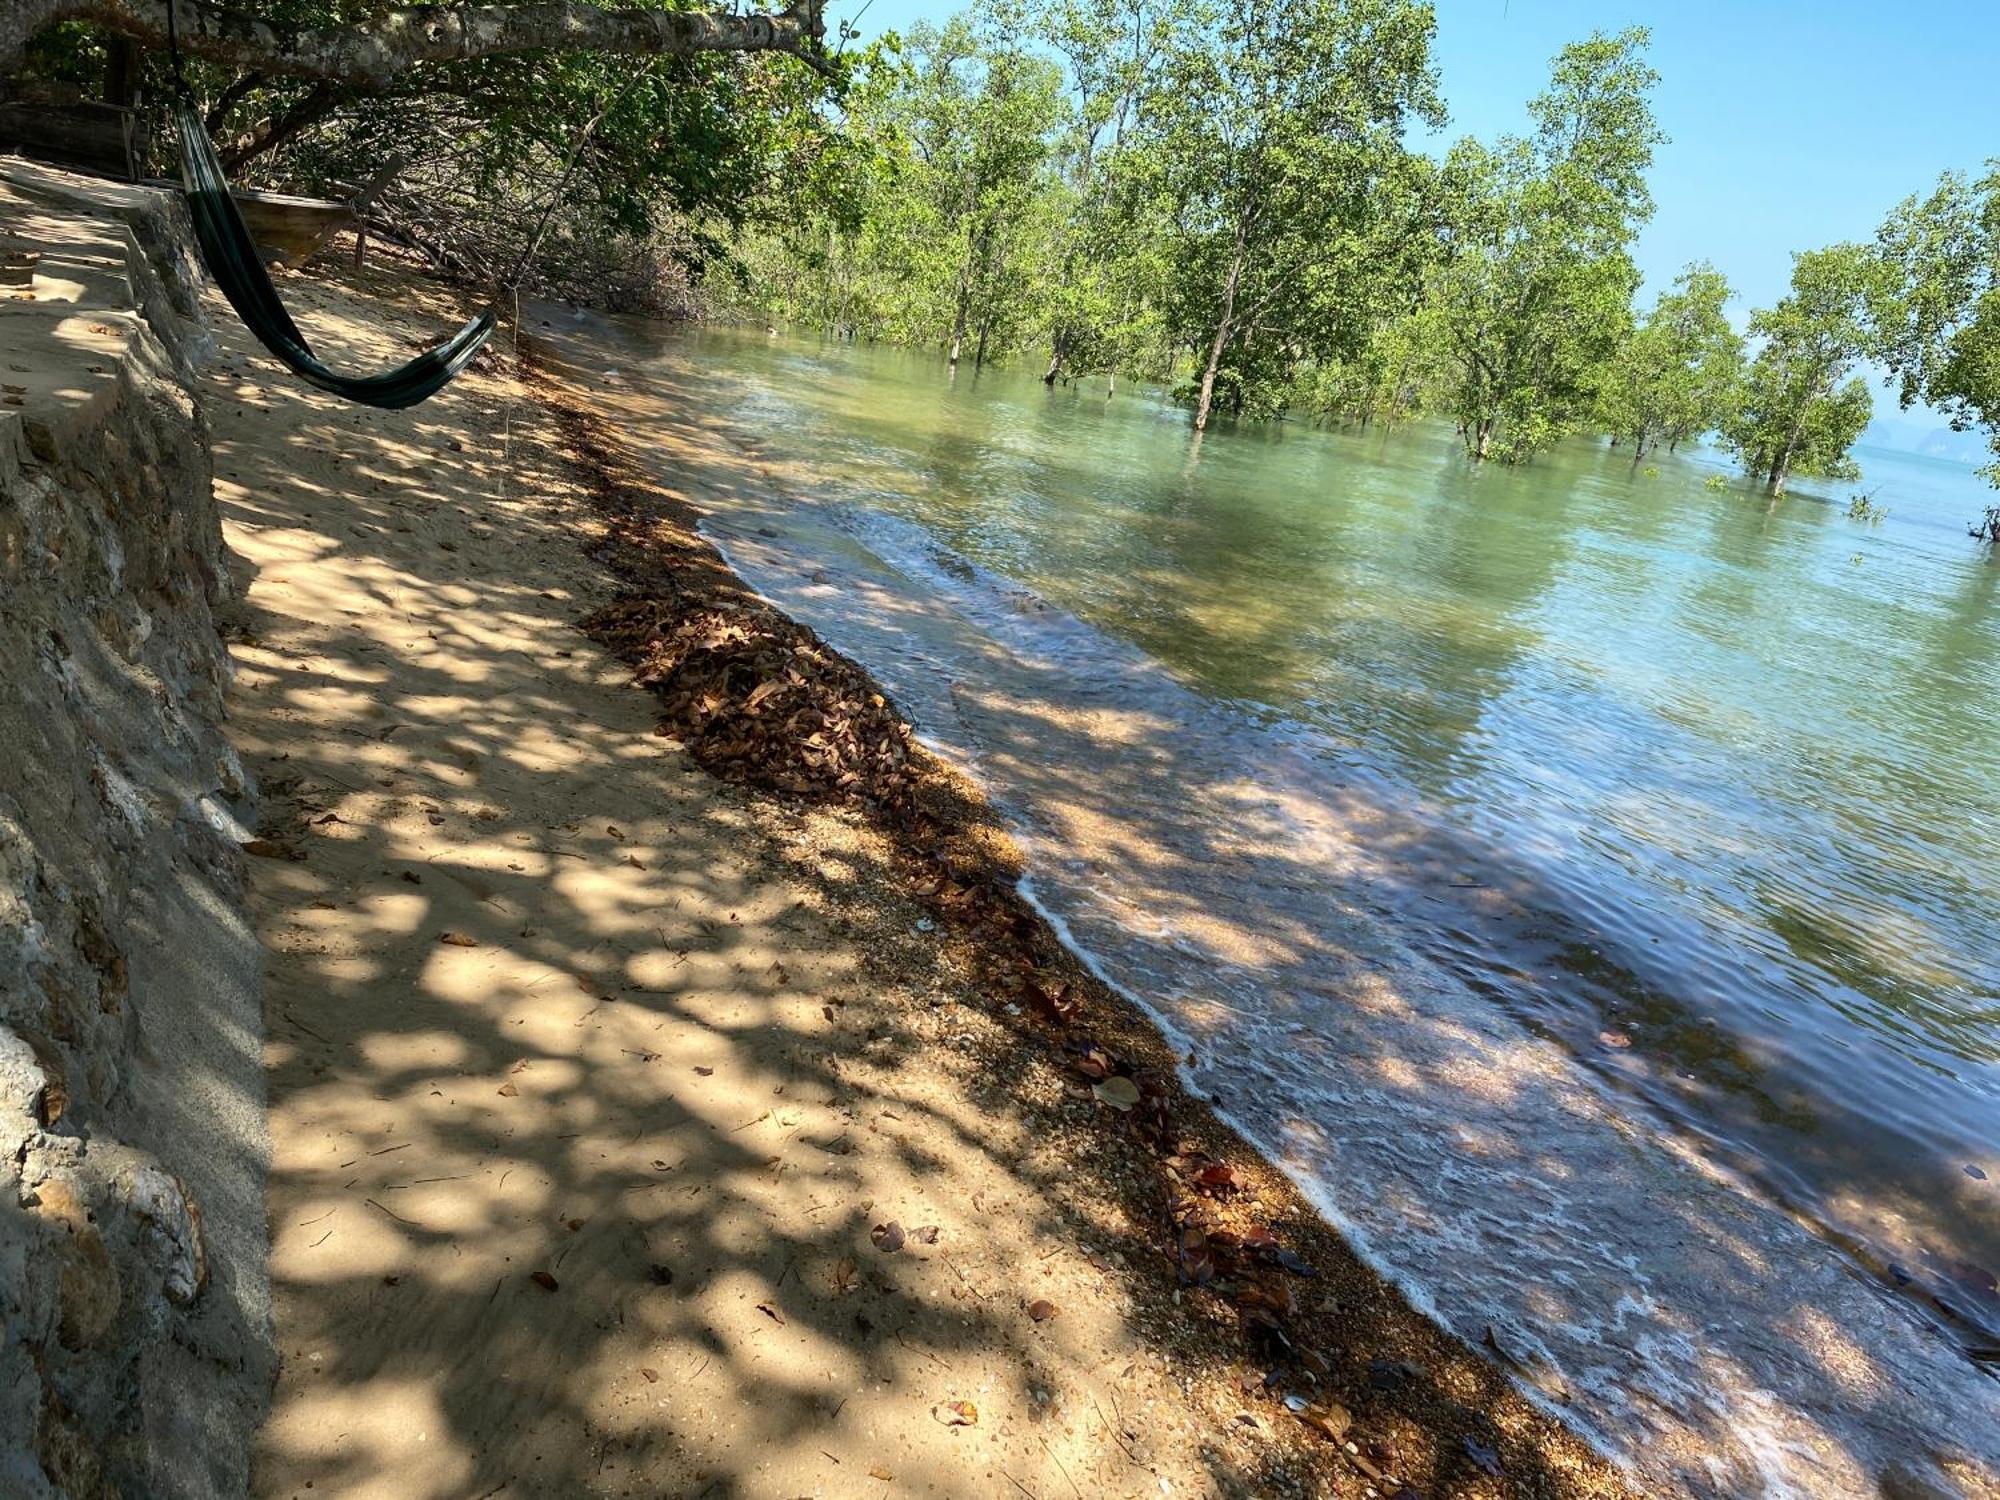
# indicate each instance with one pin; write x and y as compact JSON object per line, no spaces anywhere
{"x":367,"y":55}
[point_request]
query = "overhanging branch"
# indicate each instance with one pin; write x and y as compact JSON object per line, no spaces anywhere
{"x":369,"y":54}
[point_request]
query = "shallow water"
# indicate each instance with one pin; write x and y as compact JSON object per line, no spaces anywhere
{"x":1582,"y":878}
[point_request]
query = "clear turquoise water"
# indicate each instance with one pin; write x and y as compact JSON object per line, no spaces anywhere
{"x":1699,"y":792}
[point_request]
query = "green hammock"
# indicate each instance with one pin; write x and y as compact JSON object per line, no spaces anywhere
{"x":232,"y":259}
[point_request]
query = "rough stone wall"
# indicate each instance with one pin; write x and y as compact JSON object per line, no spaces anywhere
{"x":134,"y":1318}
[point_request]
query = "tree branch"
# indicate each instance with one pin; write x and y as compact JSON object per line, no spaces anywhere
{"x":368,"y":55}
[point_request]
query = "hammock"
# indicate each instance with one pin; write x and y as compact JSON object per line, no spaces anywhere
{"x":232,"y":259}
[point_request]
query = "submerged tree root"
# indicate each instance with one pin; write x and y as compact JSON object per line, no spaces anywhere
{"x":1367,"y":1395}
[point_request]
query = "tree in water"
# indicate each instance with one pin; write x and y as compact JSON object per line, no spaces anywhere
{"x":1798,"y":417}
{"x":1940,"y":316}
{"x":1678,"y":375}
{"x":1100,"y":294}
{"x":1273,"y":125}
{"x":1537,"y":291}
{"x":976,"y":114}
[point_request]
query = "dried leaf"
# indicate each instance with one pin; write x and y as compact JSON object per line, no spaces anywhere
{"x":543,"y":1280}
{"x":878,"y":1472}
{"x":1041,"y":1309}
{"x":956,"y":1413}
{"x":846,"y":1275}
{"x":1333,"y":1419}
{"x":888,"y":1238}
{"x":772,"y":1313}
{"x":1118,"y":1091}
{"x":652,"y":1376}
{"x":508,"y":1090}
{"x":458,"y":939}
{"x":273,"y":849}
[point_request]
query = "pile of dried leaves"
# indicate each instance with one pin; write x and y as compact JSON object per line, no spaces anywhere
{"x":759,"y":699}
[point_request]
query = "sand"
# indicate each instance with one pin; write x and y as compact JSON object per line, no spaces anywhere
{"x":637,"y":1134}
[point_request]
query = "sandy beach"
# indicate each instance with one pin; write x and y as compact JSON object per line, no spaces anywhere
{"x":640,"y":1133}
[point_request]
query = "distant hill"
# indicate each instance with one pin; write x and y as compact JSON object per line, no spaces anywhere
{"x":1928,"y":438}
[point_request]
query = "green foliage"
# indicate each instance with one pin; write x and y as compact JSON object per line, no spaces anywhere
{"x":696,"y":147}
{"x":1535,"y":295}
{"x":1274,"y":138}
{"x":1797,"y":416}
{"x":1678,"y":375}
{"x":949,"y":223}
{"x":1940,"y":313}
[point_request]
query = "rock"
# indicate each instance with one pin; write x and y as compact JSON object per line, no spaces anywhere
{"x":91,"y":1287}
{"x":130,"y":1085}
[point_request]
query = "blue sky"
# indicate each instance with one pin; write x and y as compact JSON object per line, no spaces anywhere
{"x":1793,"y":123}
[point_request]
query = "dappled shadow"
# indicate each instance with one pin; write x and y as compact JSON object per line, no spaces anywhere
{"x":590,"y":1080}
{"x":1717,"y":1340}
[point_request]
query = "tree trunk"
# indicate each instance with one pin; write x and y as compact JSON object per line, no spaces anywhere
{"x":121,"y":74}
{"x":958,"y":324}
{"x":369,"y":54}
{"x":979,"y":354}
{"x":1482,"y":443}
{"x":1055,"y":359}
{"x":319,"y":101}
{"x":1225,"y":326}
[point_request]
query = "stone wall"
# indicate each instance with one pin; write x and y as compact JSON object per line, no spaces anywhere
{"x":135,"y":1351}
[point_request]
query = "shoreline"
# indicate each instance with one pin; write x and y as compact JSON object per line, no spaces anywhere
{"x":1511,"y":1195}
{"x":1338,"y":1330}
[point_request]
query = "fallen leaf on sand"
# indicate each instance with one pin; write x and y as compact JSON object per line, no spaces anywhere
{"x":508,"y":1090}
{"x":543,"y":1280}
{"x":1220,"y":1176}
{"x":272,"y":849}
{"x":878,"y":1472}
{"x":458,"y":939}
{"x":705,"y":1072}
{"x":652,"y":1376}
{"x":925,"y":1234}
{"x":1041,"y":1309}
{"x":1118,"y":1091}
{"x":846,"y":1275}
{"x":1329,"y":1417}
{"x":772,"y":1313}
{"x":956,"y":1413}
{"x":888,"y":1238}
